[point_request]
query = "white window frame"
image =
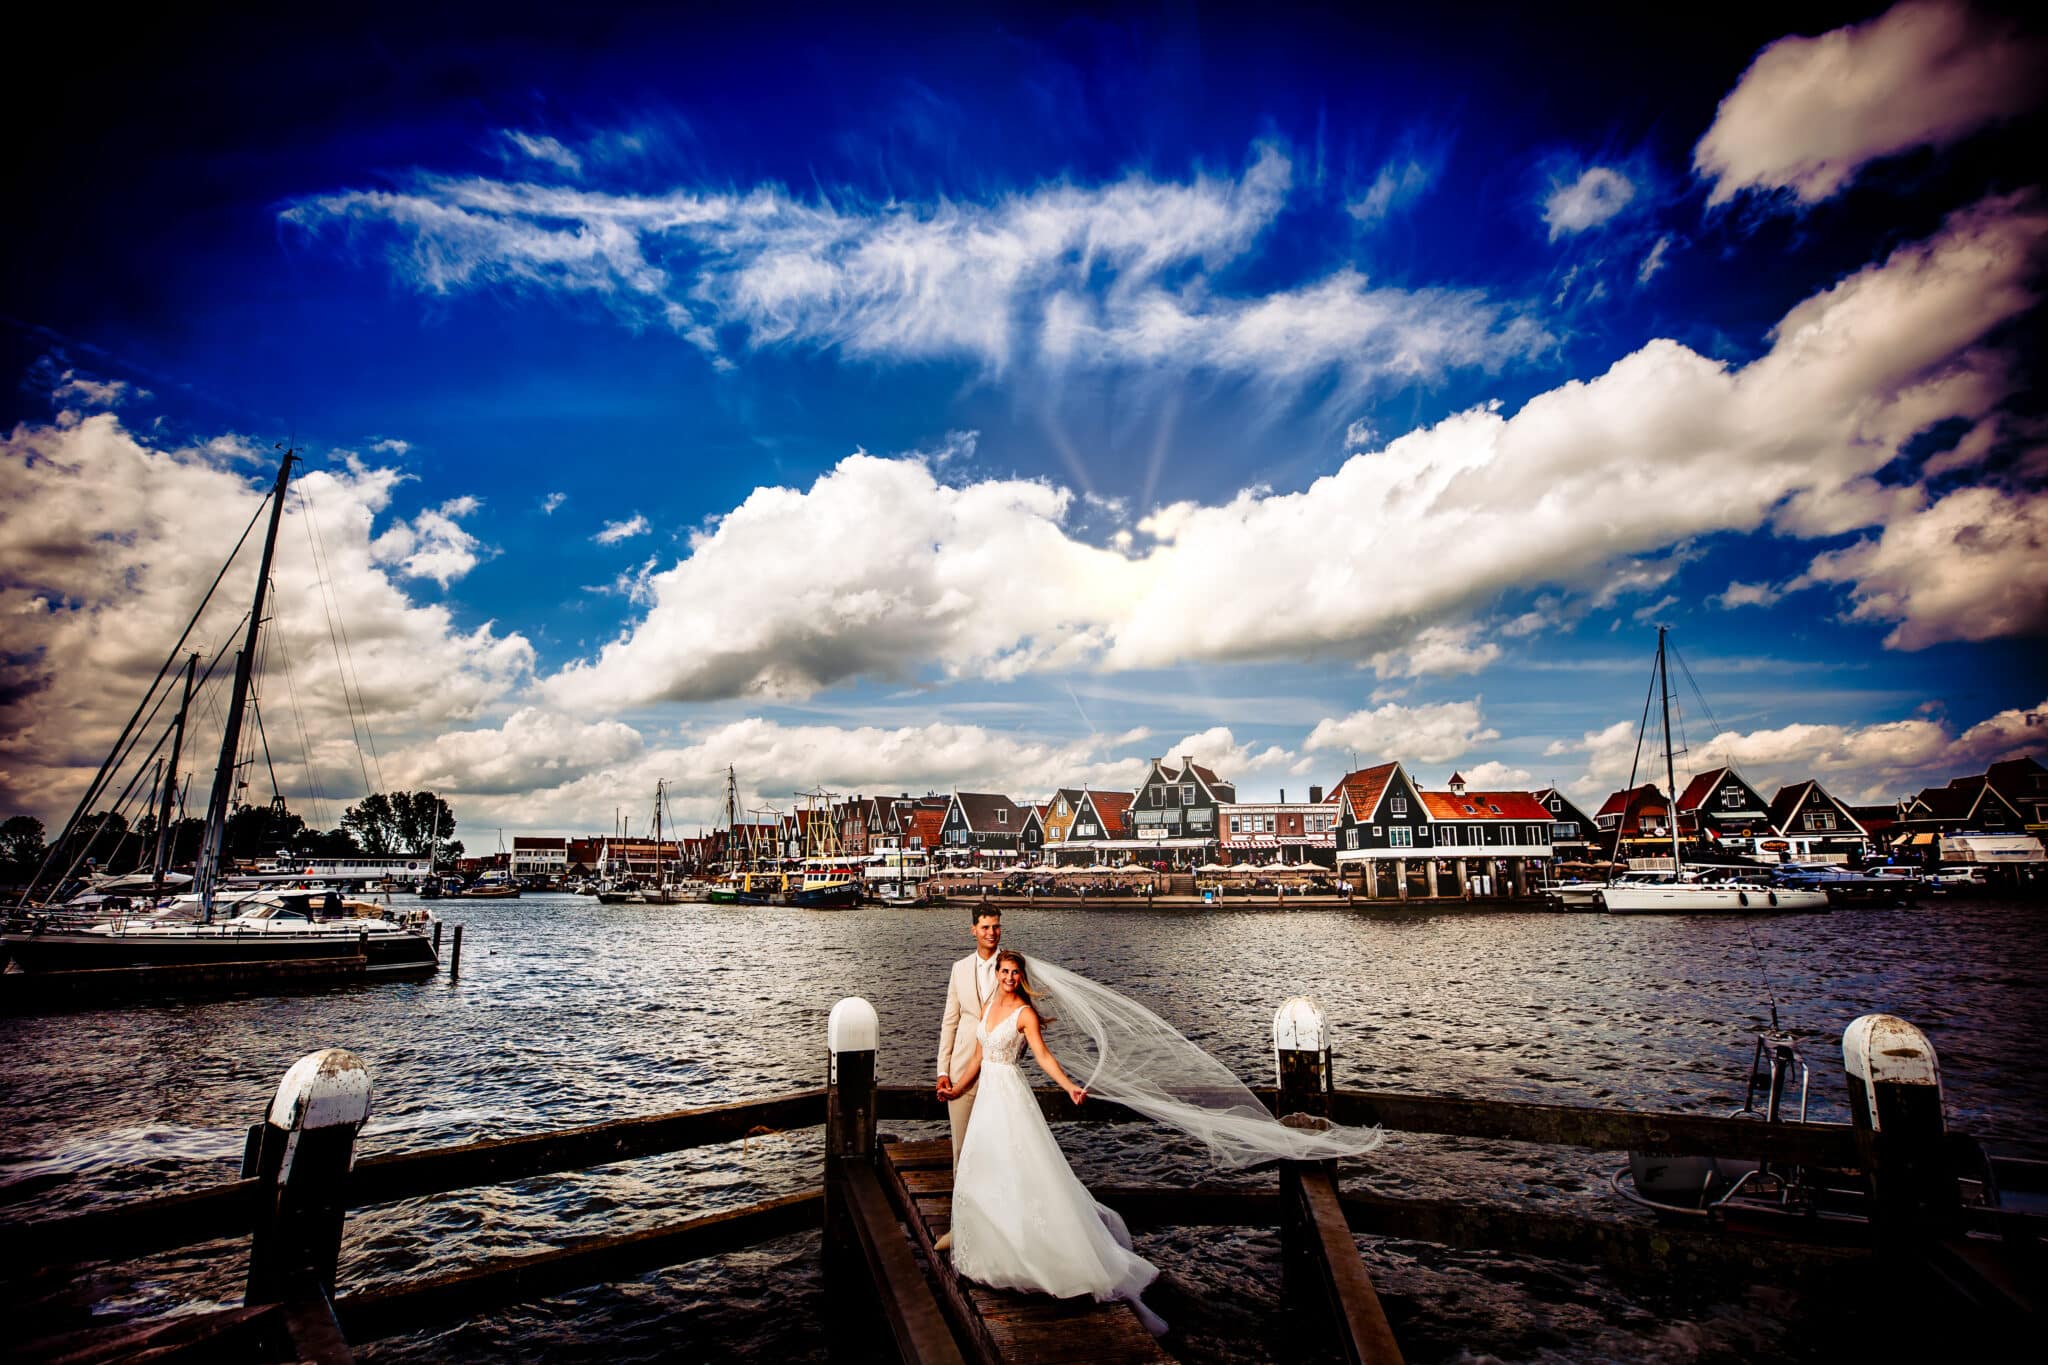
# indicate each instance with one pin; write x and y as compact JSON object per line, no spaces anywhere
{"x":1187,"y":793}
{"x":1398,"y":805}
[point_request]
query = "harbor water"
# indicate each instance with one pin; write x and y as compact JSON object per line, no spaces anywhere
{"x":568,"y":1012}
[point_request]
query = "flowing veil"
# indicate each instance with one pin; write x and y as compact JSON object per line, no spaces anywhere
{"x":1127,"y":1054}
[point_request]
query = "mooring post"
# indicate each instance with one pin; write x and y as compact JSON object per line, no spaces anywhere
{"x":1301,"y":1061}
{"x":852,"y":1034}
{"x":1895,"y":1094}
{"x":303,"y":1151}
{"x":455,"y":954}
{"x":437,"y":938}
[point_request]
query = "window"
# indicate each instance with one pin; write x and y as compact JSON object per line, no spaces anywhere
{"x":1002,"y":817}
{"x":1376,"y":831}
{"x":1351,"y":837}
{"x":1061,"y":808}
{"x":1233,"y":825}
{"x":1401,"y":837}
{"x":1564,"y":829}
{"x":1187,"y":794}
{"x":1425,"y":831}
{"x":1556,"y":805}
{"x":1398,"y":805}
{"x":1085,"y":829}
{"x":1495,"y":809}
{"x":1731,"y":798}
{"x":1820,"y":819}
{"x":1159,"y":796}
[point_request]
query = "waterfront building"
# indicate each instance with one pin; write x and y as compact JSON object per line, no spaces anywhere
{"x":924,"y":823}
{"x":982,"y":825}
{"x":637,"y":858}
{"x":1506,"y":835}
{"x":1635,"y":827}
{"x":1381,"y":828}
{"x":1278,"y":831}
{"x":1031,"y":840}
{"x":540,"y":856}
{"x":1179,"y":803}
{"x":1815,"y":827}
{"x":2008,"y":798}
{"x":1718,"y":806}
{"x":1571,"y":829}
{"x":1060,"y":813}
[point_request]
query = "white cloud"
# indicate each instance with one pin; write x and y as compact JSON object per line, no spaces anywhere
{"x":1747,"y":595}
{"x":1497,"y":777}
{"x":73,"y":389}
{"x":391,"y":445}
{"x":431,"y":545}
{"x":1653,"y":260}
{"x":545,"y":149}
{"x":1115,"y":274}
{"x":1360,"y":435}
{"x":616,"y":531}
{"x":1812,"y":112}
{"x":109,"y":542}
{"x":1643,"y":615}
{"x":1972,"y":566}
{"x":552,"y":501}
{"x":1597,"y":195}
{"x":879,"y":570}
{"x":1398,"y":184}
{"x":1436,"y":651}
{"x":1433,"y":733}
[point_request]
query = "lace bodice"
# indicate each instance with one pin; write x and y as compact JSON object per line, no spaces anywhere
{"x":1001,"y":1045}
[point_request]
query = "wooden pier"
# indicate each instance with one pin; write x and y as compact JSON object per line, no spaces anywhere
{"x":883,"y":1203}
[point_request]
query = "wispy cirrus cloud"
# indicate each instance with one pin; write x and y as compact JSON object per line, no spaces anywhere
{"x":880,"y":569}
{"x":1811,"y":113}
{"x":616,"y":531}
{"x":1599,"y":193}
{"x":1122,"y":273}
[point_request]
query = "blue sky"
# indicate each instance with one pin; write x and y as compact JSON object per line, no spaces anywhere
{"x":1300,"y":390}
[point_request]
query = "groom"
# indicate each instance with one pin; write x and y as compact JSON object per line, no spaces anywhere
{"x":968,"y":990}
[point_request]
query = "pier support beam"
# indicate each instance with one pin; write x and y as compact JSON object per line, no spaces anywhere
{"x":852,"y":1034}
{"x":1372,"y":879}
{"x":1464,"y":886}
{"x":302,"y":1152}
{"x":1319,"y":1257}
{"x":1431,"y":865}
{"x":1401,"y":878}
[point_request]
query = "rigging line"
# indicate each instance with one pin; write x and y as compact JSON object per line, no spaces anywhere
{"x":1711,"y":719}
{"x":349,"y":649}
{"x":256,"y":710}
{"x":1621,"y":818}
{"x":120,"y":804}
{"x":317,"y":797}
{"x":333,"y":635}
{"x":93,"y":789}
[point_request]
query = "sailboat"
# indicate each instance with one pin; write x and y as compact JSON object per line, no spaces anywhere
{"x":214,"y":933}
{"x":1640,"y":894}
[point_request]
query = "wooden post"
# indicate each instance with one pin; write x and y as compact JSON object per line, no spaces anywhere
{"x":1319,"y":1258}
{"x":1895,"y":1092}
{"x":1458,"y":871}
{"x":303,"y":1151}
{"x":437,"y":938}
{"x":1401,"y":878}
{"x":852,"y":1035}
{"x":1433,"y":889}
{"x":455,"y":955}
{"x":1372,"y":880}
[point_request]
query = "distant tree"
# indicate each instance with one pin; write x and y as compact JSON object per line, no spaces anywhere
{"x":402,"y":822}
{"x":263,"y":831}
{"x":328,"y":843}
{"x":21,"y":847}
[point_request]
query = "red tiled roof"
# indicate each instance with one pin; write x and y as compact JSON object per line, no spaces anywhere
{"x":928,"y":823}
{"x":1620,"y":801}
{"x":1364,"y":788}
{"x":1114,"y":808}
{"x":1696,"y":790}
{"x":1483,"y":806}
{"x":1199,"y":771}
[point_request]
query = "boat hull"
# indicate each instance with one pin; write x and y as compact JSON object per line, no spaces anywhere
{"x":199,"y":948}
{"x":1708,"y":900}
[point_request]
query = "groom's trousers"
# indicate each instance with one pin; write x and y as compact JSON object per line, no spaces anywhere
{"x":957,"y":1111}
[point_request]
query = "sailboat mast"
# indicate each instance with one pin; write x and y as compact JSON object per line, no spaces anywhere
{"x":657,"y":833}
{"x":208,"y":870}
{"x":1670,"y":764}
{"x":164,"y":843}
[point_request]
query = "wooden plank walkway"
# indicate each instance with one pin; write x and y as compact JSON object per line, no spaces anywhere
{"x":997,"y":1324}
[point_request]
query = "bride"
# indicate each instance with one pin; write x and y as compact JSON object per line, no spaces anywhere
{"x":1021,"y":1219}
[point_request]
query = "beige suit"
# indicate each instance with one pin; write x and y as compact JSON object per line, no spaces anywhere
{"x":965,"y":999}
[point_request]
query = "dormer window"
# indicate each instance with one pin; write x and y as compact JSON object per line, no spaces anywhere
{"x":1002,"y":817}
{"x":1398,"y":805}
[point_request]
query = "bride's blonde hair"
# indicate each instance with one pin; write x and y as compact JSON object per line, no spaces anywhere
{"x":1024,"y":984}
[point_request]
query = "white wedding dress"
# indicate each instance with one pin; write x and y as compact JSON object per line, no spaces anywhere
{"x":1021,"y":1219}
